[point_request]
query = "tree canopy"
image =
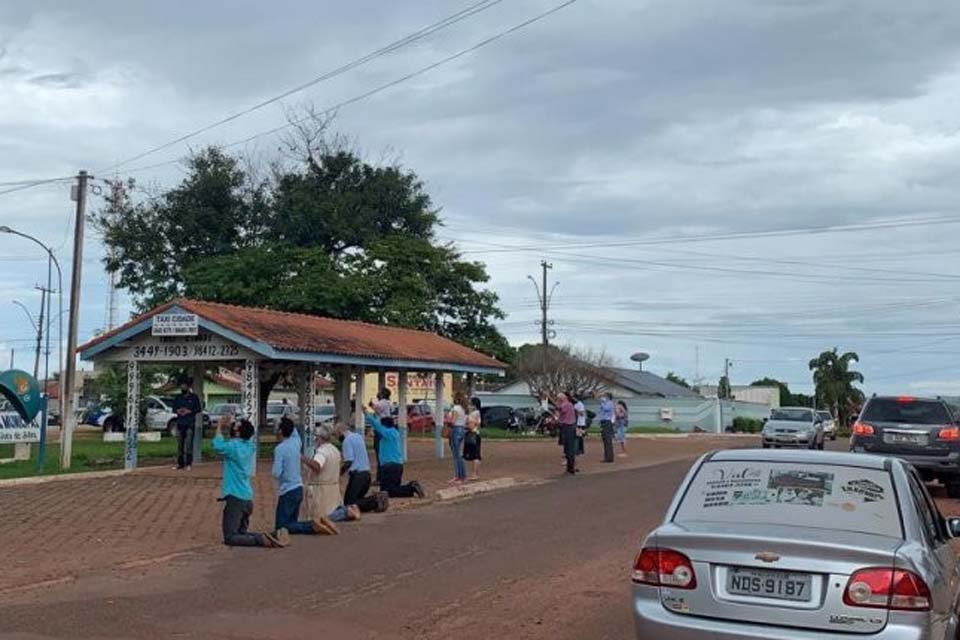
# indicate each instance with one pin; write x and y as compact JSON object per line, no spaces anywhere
{"x":330,"y":235}
{"x":677,"y":379}
{"x":834,"y":381}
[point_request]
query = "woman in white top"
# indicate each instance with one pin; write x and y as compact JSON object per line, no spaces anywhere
{"x":458,"y":418}
{"x":581,"y":412}
{"x":471,"y":443}
{"x":323,"y":481}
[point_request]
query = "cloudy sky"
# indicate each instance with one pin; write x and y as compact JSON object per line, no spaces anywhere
{"x":757,"y":180}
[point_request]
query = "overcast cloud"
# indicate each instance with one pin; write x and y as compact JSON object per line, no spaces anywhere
{"x":606,"y":123}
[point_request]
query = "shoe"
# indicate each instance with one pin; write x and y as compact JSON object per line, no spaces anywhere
{"x":282,"y":537}
{"x":323,"y":526}
{"x":383,"y":501}
{"x":270,"y":541}
{"x":418,"y":489}
{"x":353,"y":512}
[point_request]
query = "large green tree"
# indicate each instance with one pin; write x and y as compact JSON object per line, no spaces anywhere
{"x":329,"y":234}
{"x":834,"y":381}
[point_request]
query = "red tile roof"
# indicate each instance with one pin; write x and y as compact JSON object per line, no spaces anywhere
{"x":315,"y":334}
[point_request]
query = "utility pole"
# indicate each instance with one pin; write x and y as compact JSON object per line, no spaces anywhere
{"x":11,"y":358}
{"x":544,"y":298}
{"x":68,"y":418}
{"x":720,"y":392}
{"x":44,"y":301}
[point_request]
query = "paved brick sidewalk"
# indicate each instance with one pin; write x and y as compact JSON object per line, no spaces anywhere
{"x":58,"y":530}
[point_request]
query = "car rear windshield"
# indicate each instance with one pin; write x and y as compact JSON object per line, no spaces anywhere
{"x":906,"y":411}
{"x":793,"y":415}
{"x":801,"y":495}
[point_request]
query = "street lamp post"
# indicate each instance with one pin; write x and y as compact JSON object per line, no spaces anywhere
{"x":51,"y":259}
{"x":39,"y":330}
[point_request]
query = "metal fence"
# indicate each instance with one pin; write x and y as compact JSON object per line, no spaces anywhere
{"x":683,"y":414}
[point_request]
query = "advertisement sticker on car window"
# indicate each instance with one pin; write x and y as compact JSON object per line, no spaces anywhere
{"x":800,"y":487}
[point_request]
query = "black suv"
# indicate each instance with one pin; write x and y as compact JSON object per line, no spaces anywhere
{"x":922,"y":431}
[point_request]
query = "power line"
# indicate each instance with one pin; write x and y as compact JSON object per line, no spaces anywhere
{"x":746,"y":235}
{"x":33,"y":183}
{"x":412,"y":38}
{"x":385,"y":86}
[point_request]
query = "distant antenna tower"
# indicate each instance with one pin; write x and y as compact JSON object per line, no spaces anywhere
{"x":112,"y":302}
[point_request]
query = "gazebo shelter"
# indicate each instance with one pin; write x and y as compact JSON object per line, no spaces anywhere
{"x":263,"y":344}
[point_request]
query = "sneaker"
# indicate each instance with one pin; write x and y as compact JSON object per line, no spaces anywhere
{"x":324,"y":527}
{"x":418,"y":489}
{"x":383,"y":501}
{"x":282,"y":536}
{"x":353,"y":512}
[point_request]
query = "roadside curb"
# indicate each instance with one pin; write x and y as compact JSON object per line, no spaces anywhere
{"x":62,"y":477}
{"x":467,"y":490}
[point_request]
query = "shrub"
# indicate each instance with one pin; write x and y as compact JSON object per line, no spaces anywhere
{"x":743,"y":424}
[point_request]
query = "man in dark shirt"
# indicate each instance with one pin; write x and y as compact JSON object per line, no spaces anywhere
{"x":186,"y":406}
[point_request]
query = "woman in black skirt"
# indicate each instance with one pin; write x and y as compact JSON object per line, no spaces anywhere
{"x":471,"y":444}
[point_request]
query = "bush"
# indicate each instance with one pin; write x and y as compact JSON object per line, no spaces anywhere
{"x":743,"y":424}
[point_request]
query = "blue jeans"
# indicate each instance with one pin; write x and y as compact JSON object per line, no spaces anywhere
{"x":288,"y":510}
{"x":457,"y":435}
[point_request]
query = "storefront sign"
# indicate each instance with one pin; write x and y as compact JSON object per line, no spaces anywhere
{"x":175,"y":324}
{"x":204,"y":346}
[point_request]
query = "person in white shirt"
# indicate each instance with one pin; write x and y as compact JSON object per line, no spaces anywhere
{"x":383,"y":407}
{"x":581,"y":412}
{"x":457,"y":416}
{"x":323,"y":484}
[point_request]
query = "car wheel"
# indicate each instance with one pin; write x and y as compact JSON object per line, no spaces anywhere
{"x":953,"y":488}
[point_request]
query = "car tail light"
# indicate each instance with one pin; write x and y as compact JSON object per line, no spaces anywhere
{"x":664,"y":567}
{"x":906,"y":399}
{"x":949,"y":433}
{"x":862,"y":429}
{"x":881,"y":588}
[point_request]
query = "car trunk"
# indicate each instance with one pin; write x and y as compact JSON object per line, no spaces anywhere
{"x":807,"y":567}
{"x":907,"y":439}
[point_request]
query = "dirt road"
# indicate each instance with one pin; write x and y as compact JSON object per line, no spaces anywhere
{"x":548,"y":561}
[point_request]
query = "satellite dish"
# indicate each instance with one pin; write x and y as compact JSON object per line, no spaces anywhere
{"x":640,"y":357}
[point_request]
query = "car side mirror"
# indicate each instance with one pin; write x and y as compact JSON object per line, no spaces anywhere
{"x":953,"y":524}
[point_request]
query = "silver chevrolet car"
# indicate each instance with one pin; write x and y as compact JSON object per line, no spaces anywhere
{"x":799,"y":545}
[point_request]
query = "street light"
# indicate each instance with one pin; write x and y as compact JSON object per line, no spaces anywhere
{"x":51,"y":259}
{"x":38,"y":329}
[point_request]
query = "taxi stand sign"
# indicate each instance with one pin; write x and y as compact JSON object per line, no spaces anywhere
{"x":175,"y":324}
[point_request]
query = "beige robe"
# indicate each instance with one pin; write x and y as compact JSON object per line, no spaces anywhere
{"x":323,"y":489}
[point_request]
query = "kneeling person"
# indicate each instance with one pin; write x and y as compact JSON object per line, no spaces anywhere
{"x":390,"y":460}
{"x":239,"y":463}
{"x":356,"y":464}
{"x":323,"y":487}
{"x":286,"y":470}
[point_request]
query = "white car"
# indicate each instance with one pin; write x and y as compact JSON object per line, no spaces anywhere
{"x":829,"y":424}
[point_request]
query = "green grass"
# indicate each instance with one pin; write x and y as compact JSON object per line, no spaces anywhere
{"x":90,"y":453}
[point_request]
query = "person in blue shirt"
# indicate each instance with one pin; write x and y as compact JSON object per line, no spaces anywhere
{"x":356,"y":464}
{"x":239,"y":465}
{"x":286,"y":471}
{"x":606,"y":425}
{"x":391,"y":461}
